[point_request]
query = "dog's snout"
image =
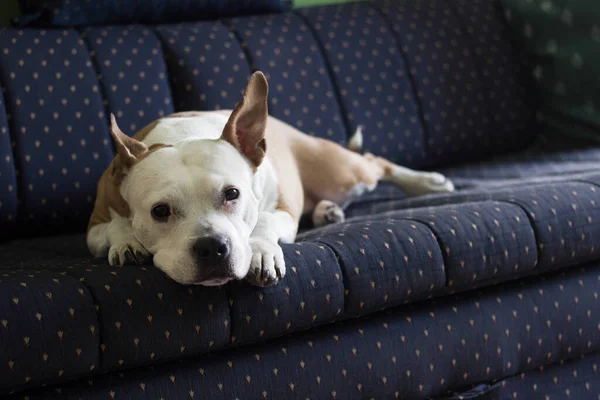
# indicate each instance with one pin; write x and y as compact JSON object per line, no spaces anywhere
{"x":211,"y":250}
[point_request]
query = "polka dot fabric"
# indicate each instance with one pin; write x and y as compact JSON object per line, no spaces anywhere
{"x":415,"y":352}
{"x":300,"y":93}
{"x":372,"y":79}
{"x":132,"y":74}
{"x":446,"y":76}
{"x":575,"y":378}
{"x":8,"y":179}
{"x":378,"y":262}
{"x":312,"y":293}
{"x":504,"y":79}
{"x":58,"y":125}
{"x":208,"y":67}
{"x":57,"y":340}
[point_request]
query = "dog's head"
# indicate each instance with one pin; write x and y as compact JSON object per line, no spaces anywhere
{"x":192,"y":205}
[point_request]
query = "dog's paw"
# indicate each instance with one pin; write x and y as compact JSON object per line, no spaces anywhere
{"x":267,"y":266}
{"x":327,"y":212}
{"x":429,"y":183}
{"x":128,"y":253}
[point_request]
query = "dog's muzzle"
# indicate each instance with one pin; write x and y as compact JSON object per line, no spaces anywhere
{"x":212,"y":254}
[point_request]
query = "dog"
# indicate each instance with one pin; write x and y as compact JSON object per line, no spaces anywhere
{"x":209,"y":196}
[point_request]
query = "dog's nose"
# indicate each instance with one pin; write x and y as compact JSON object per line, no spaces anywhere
{"x":211,"y":249}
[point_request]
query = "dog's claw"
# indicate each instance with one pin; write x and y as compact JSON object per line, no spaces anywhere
{"x":127,"y":253}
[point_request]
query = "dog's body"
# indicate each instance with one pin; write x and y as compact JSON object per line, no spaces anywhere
{"x":197,"y":191}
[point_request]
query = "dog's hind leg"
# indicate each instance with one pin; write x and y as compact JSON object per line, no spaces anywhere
{"x":412,"y":182}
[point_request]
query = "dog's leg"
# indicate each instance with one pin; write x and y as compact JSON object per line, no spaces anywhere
{"x":414,"y":183}
{"x":267,"y":265}
{"x":327,"y":212}
{"x":118,"y":240}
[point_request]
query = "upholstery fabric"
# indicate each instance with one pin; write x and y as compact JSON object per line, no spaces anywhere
{"x":48,"y":328}
{"x":372,"y":80}
{"x":301,"y":92}
{"x":447,"y":75}
{"x":132,"y":74}
{"x":208,"y":69}
{"x":413,"y":352}
{"x":58,"y":125}
{"x":338,"y":272}
{"x":66,"y":13}
{"x":577,"y":379}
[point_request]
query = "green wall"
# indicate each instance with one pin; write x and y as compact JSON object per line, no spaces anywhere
{"x":8,"y":9}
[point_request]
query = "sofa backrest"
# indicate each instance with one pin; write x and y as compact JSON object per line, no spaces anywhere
{"x":433,"y":83}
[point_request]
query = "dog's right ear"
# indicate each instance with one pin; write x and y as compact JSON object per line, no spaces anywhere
{"x":246,"y":126}
{"x":129,"y":150}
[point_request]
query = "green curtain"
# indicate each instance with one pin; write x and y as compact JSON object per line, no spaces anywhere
{"x":560,"y":44}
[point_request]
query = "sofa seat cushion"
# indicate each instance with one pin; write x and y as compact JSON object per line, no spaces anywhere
{"x":137,"y":315}
{"x":464,"y":241}
{"x":419,"y":352}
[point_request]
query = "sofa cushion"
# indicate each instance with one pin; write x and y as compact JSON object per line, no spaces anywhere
{"x":577,"y":378}
{"x":454,"y":94}
{"x":301,"y":92}
{"x":417,"y":352}
{"x":58,"y":125}
{"x":132,"y":74}
{"x":64,"y":13}
{"x":373,"y":81}
{"x":49,"y":330}
{"x":208,"y":68}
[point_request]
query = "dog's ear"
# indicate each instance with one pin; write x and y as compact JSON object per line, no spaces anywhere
{"x":246,"y":127}
{"x":129,"y":150}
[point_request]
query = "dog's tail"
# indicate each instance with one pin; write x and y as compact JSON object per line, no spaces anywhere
{"x":356,"y":141}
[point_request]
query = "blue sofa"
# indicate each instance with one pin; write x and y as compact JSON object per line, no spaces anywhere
{"x":490,"y":292}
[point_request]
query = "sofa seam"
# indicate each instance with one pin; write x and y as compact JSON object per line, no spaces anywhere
{"x":411,"y":80}
{"x":100,"y":367}
{"x":342,"y":266}
{"x":153,"y":30}
{"x":477,"y":66}
{"x":327,"y":64}
{"x":101,"y":91}
{"x":230,"y":25}
{"x":13,"y":154}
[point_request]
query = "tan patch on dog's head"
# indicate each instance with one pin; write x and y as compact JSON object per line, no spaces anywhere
{"x":130,"y":150}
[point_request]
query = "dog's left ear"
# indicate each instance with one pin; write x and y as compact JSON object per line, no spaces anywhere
{"x":246,"y":127}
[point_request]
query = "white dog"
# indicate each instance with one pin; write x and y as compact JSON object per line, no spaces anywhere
{"x":199,"y":193}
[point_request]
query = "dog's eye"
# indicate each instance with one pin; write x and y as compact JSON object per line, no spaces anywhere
{"x":161,"y":212}
{"x":232,"y":194}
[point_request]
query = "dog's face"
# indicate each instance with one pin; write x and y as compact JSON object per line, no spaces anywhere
{"x":192,"y":205}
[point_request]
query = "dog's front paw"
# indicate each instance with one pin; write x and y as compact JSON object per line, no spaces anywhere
{"x":128,"y":253}
{"x":267,"y":265}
